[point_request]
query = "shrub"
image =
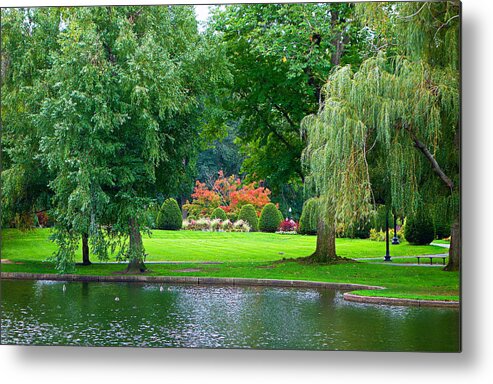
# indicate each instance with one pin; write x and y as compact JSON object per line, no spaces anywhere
{"x":442,"y":228}
{"x":269,"y":218}
{"x":377,"y":235}
{"x":288,"y":226}
{"x":169,"y":216}
{"x":190,"y":225}
{"x":215,"y":224}
{"x":380,"y":235}
{"x":249,"y":215}
{"x":419,"y":229}
{"x":241,"y":226}
{"x":202,"y":224}
{"x":219,"y":213}
{"x":227,"y":226}
{"x":281,"y":216}
{"x":309,"y":217}
{"x":42,"y":219}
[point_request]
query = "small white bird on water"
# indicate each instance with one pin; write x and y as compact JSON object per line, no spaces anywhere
{"x":117,"y":298}
{"x":64,"y":288}
{"x":161,"y":288}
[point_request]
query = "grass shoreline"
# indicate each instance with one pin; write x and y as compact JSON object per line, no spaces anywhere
{"x":355,"y":292}
{"x":256,"y":257}
{"x":412,"y":282}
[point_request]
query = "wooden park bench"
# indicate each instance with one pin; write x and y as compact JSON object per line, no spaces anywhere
{"x":431,"y":257}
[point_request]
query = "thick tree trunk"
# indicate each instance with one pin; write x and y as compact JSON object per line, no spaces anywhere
{"x":326,"y":243}
{"x":85,"y":249}
{"x":136,"y":249}
{"x":455,"y":245}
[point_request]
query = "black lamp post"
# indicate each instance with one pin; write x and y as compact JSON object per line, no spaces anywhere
{"x":387,"y":247}
{"x":395,"y":239}
{"x":289,"y":215}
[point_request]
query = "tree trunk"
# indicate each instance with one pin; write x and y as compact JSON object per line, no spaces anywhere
{"x":85,"y":249}
{"x":455,"y":245}
{"x":340,"y":39}
{"x":326,"y":243}
{"x":184,"y":212}
{"x":136,"y":249}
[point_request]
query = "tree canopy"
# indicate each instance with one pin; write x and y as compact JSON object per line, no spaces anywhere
{"x":281,"y":55}
{"x":406,"y":104}
{"x":119,"y":107}
{"x":106,"y":108}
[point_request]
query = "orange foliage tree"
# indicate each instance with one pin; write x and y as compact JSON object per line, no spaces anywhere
{"x":227,"y":193}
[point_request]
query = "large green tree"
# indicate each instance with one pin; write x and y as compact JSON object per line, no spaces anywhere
{"x":405,"y":102}
{"x":125,"y":99}
{"x":281,"y":55}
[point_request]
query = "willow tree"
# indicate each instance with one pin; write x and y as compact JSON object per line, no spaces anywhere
{"x":408,"y":104}
{"x":116,"y":107}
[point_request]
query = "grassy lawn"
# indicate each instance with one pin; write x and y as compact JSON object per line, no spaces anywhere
{"x":196,"y":246}
{"x":447,"y":242}
{"x":252,"y":255}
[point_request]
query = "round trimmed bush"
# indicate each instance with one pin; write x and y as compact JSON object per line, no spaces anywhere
{"x":248,"y":214}
{"x":419,"y":229}
{"x":219,"y":213}
{"x":269,"y":218}
{"x":309,"y":217}
{"x":169,"y":216}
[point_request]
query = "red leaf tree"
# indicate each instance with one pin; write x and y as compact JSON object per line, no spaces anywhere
{"x":227,"y":193}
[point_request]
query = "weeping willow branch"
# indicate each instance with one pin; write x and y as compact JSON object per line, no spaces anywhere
{"x":429,"y":156}
{"x":444,"y":25}
{"x":379,"y":104}
{"x":414,"y":14}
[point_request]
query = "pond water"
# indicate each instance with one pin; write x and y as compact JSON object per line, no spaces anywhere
{"x":151,"y":315}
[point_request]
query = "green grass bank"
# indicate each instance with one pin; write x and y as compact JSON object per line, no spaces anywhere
{"x":254,"y":255}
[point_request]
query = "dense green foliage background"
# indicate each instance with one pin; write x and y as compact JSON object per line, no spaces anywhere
{"x":109,"y":111}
